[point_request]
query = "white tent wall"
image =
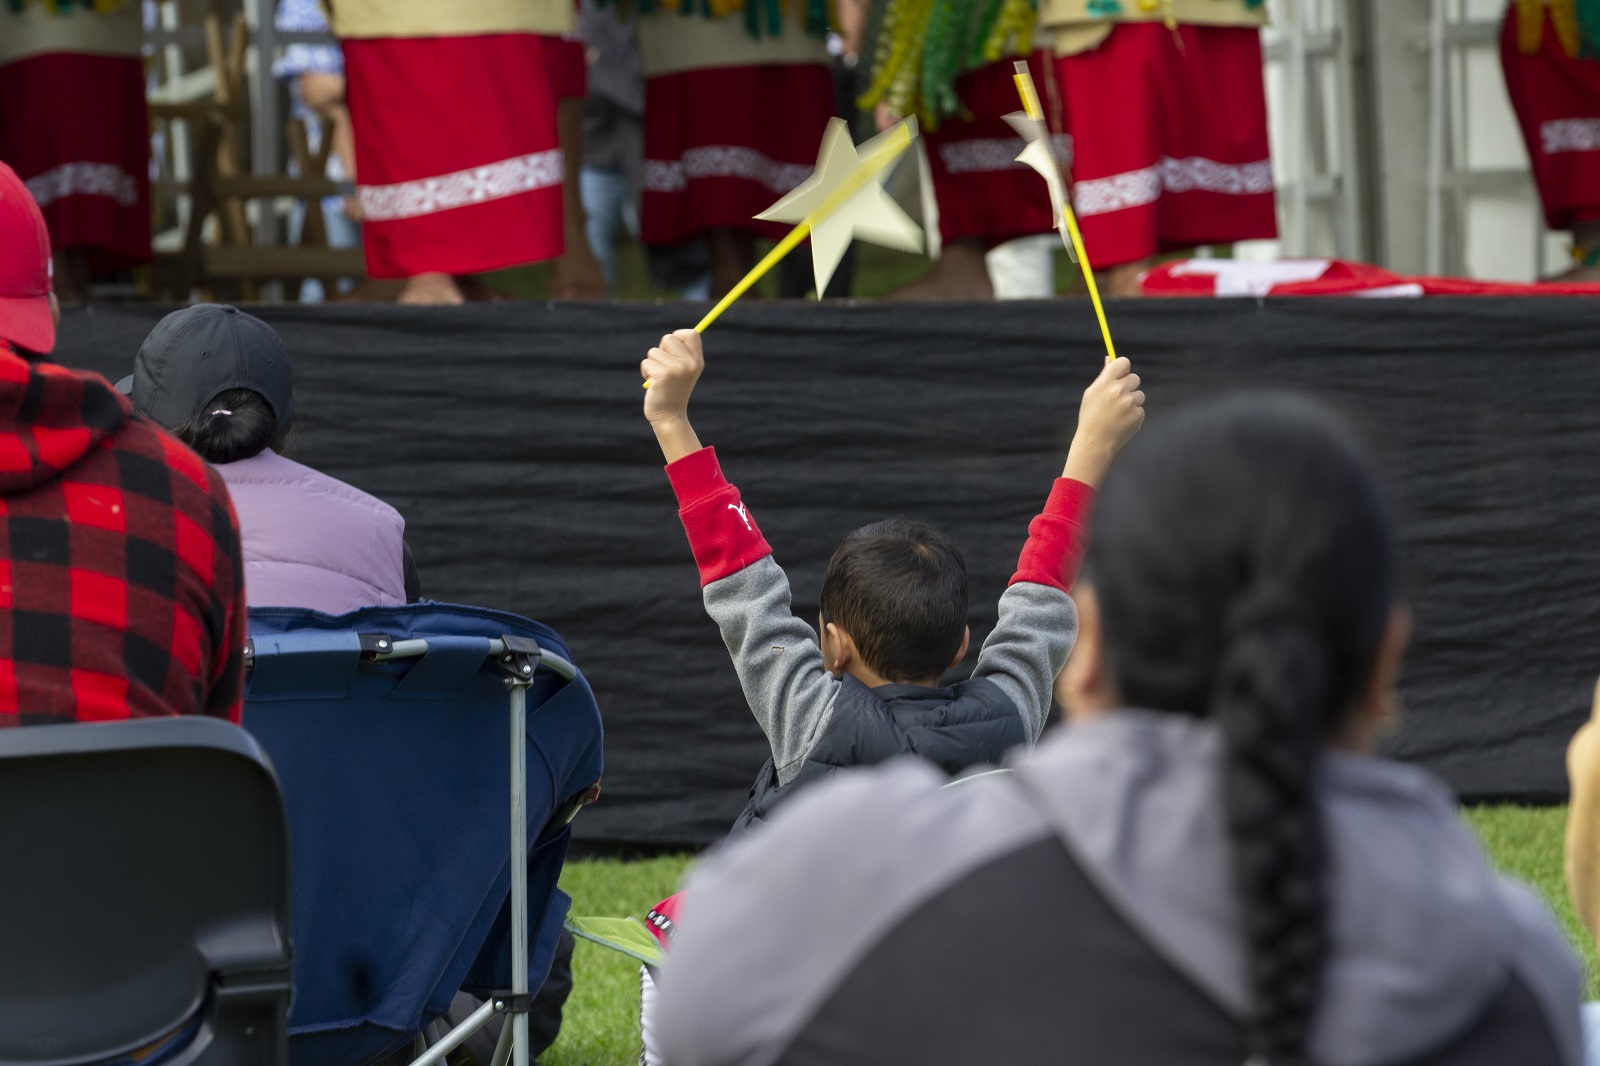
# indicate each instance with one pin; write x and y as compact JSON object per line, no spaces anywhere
{"x":1412,"y":164}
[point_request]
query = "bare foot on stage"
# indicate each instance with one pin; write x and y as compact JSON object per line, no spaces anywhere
{"x":960,"y":273}
{"x":431,"y":290}
{"x":576,"y":275}
{"x":1123,"y":281}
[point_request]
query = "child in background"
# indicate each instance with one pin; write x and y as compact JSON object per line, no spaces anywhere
{"x":866,"y":685}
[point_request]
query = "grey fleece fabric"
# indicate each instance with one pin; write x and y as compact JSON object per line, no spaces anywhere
{"x":1424,"y":935}
{"x":780,"y":663}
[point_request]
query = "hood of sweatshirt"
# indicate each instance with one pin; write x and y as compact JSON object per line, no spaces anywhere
{"x":1423,"y":934}
{"x":50,"y":418}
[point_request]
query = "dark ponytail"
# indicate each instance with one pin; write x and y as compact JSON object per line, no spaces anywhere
{"x":1243,"y":561}
{"x":235,"y":424}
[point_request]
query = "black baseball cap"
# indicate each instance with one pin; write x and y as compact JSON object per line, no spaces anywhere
{"x":194,"y":354}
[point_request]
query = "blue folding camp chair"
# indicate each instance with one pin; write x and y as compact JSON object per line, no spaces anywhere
{"x":388,"y":729}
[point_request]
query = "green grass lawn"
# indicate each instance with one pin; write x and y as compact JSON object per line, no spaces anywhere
{"x":602,"y":1017}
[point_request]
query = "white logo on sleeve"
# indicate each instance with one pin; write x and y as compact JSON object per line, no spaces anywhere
{"x":744,"y":515}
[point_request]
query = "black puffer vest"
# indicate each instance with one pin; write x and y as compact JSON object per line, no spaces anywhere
{"x":970,"y":722}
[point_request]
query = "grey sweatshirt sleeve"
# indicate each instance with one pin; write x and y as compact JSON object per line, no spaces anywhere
{"x":1028,"y":646}
{"x":777,"y":659}
{"x":1038,"y":621}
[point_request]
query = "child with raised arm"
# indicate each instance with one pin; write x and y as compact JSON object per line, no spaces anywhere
{"x":865,"y":686}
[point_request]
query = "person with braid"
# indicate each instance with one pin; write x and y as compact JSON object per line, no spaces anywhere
{"x":1207,"y":865}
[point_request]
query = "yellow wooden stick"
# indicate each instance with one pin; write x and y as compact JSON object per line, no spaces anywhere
{"x":1030,"y":105}
{"x":768,"y":261}
{"x":898,"y":141}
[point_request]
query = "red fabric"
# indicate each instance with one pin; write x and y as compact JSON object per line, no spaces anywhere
{"x":724,"y":144}
{"x":567,"y":67}
{"x":722,"y":535}
{"x":25,"y":316}
{"x":982,"y":192}
{"x":76,"y":129}
{"x":1557,"y":101}
{"x":1057,"y":538}
{"x":471,"y":120}
{"x":121,"y":586}
{"x":662,"y":921}
{"x":1150,"y":121}
{"x":1343,"y":278}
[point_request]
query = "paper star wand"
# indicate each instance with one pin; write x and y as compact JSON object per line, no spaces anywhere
{"x":843,"y":199}
{"x":1030,"y":125}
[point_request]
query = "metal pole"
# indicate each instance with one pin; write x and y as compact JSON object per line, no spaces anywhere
{"x":1437,"y":117}
{"x":519,"y":868}
{"x":457,"y":1036}
{"x":1301,"y":111}
{"x":264,"y":150}
{"x":502,"y":1047}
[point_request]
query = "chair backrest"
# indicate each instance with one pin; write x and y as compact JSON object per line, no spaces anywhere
{"x":396,"y":776}
{"x":145,"y":894}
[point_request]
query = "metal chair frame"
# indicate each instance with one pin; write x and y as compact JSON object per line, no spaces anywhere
{"x":518,"y":658}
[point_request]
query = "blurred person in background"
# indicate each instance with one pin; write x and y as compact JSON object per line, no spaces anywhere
{"x":735,"y":108}
{"x":459,"y":125}
{"x":74,"y":126}
{"x":1551,"y":60}
{"x":1166,"y":107}
{"x":315,"y":73}
{"x":613,"y":131}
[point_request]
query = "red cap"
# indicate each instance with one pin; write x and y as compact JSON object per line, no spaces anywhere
{"x":25,"y":318}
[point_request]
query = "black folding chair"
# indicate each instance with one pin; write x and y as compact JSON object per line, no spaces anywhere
{"x":144,"y":900}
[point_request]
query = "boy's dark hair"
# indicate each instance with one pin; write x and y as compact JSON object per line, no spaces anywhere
{"x":899,"y":588}
{"x":235,"y":424}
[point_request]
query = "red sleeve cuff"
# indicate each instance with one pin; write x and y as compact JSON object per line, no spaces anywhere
{"x":1058,"y":537}
{"x":722,"y":534}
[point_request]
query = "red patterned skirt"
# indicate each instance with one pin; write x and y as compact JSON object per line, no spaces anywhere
{"x":722,"y":145}
{"x":457,"y":164}
{"x":568,"y":68}
{"x":981,"y":190}
{"x":1169,"y":140}
{"x":75,"y":128}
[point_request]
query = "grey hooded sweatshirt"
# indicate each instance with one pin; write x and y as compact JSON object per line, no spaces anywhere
{"x":1081,"y":910}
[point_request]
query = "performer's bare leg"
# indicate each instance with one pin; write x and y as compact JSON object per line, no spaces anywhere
{"x":1585,"y":239}
{"x":433,"y":289}
{"x":732,"y":253}
{"x":71,"y":276}
{"x":575,"y":274}
{"x":1123,"y":281}
{"x":960,"y":273}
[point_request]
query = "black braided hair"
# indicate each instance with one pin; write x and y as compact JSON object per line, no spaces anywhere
{"x":1243,"y":559}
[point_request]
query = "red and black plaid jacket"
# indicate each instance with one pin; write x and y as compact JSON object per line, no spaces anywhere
{"x":121,"y":586}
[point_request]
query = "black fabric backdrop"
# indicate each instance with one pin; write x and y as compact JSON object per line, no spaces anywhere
{"x":511,"y":438}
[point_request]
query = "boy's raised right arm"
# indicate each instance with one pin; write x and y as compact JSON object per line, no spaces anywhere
{"x":746,"y":592}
